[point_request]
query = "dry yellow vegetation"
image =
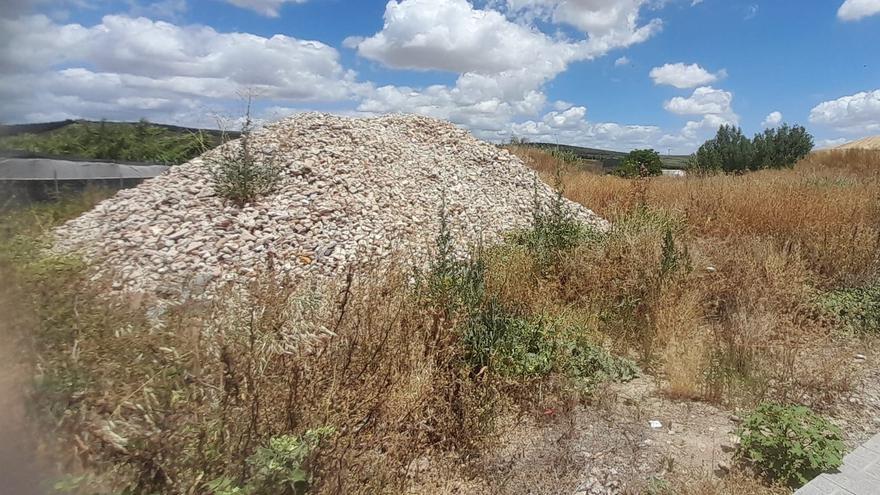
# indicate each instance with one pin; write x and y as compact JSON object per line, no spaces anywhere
{"x":713,"y":284}
{"x":868,"y":143}
{"x":763,"y":246}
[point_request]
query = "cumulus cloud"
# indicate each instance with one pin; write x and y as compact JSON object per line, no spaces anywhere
{"x":621,"y":62}
{"x":853,"y":10}
{"x":608,"y":24}
{"x":704,"y":100}
{"x":572,"y":127}
{"x":684,"y":76}
{"x":714,"y":106}
{"x":124,"y":58}
{"x":694,"y":129}
{"x":858,"y":113}
{"x":772,"y":120}
{"x":125,"y":67}
{"x":452,"y":35}
{"x":502,"y":64}
{"x":268,"y":8}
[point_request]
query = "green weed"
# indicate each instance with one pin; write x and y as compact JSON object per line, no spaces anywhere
{"x":791,"y":444}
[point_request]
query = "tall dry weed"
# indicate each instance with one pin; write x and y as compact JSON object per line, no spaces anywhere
{"x":762,"y":246}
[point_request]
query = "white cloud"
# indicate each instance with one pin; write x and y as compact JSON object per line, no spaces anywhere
{"x":566,"y":119}
{"x":572,"y":127}
{"x":858,"y":113}
{"x":704,"y":100}
{"x":609,"y":24}
{"x":452,"y":35}
{"x":268,"y":8}
{"x":561,"y":105}
{"x":455,"y":36}
{"x":607,"y":19}
{"x":772,"y":120}
{"x":621,"y":62}
{"x":684,"y":76}
{"x":124,"y":58}
{"x":853,"y":10}
{"x":706,"y":126}
{"x":502,"y":65}
{"x":715,"y":108}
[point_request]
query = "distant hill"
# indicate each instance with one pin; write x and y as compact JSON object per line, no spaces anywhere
{"x":141,"y":142}
{"x":608,"y":158}
{"x":868,"y":143}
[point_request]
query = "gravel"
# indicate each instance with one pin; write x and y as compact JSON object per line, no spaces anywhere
{"x":353,"y":191}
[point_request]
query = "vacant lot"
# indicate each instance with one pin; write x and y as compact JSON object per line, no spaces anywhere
{"x":515,"y":372}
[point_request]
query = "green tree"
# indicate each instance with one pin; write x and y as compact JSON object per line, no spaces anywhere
{"x":781,"y":147}
{"x":641,"y":163}
{"x":729,"y":151}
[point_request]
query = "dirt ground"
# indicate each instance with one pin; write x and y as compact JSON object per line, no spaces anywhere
{"x":611,"y":447}
{"x":19,"y":471}
{"x":607,"y":447}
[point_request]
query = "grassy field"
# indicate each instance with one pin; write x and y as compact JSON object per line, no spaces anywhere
{"x":724,"y":290}
{"x":119,"y":141}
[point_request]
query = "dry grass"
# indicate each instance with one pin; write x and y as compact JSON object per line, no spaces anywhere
{"x":170,"y":408}
{"x":831,"y":213}
{"x":761,"y":247}
{"x":738,"y":483}
{"x":710,"y":282}
{"x":547,"y":164}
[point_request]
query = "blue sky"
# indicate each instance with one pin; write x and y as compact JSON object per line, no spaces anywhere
{"x":616,"y":74}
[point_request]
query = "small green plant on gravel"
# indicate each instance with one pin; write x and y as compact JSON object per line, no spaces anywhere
{"x":454,"y":284}
{"x":790,"y":444}
{"x":554,"y":229}
{"x":237,"y":174}
{"x":281,"y":467}
{"x":856,"y":309}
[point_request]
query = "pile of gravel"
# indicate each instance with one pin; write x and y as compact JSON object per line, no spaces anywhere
{"x":353,"y":191}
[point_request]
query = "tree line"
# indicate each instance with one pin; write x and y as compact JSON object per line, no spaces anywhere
{"x":730,"y":151}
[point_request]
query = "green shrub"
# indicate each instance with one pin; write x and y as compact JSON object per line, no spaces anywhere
{"x":553,"y":231}
{"x":856,"y":309}
{"x":591,"y":364}
{"x":516,"y":346}
{"x":494,"y":338}
{"x":640,"y":163}
{"x":237,"y":174}
{"x":791,"y":444}
{"x":281,"y":467}
{"x":507,"y":344}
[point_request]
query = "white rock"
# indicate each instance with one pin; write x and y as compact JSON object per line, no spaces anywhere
{"x":352,"y":191}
